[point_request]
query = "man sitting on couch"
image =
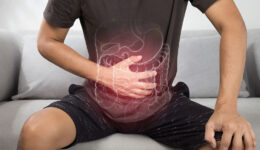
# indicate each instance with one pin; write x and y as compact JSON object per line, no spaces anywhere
{"x":132,"y":63}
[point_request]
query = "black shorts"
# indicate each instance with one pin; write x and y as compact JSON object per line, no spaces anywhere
{"x":181,"y":124}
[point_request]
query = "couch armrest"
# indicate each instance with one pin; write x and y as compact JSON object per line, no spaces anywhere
{"x":10,"y":56}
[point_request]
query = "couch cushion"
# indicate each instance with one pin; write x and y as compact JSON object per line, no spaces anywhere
{"x":198,"y":65}
{"x":9,"y":64}
{"x":37,"y":74}
{"x":18,"y":111}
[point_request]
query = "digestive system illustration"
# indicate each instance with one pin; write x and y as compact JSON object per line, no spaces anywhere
{"x":116,"y":41}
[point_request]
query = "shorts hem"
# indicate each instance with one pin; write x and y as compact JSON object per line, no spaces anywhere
{"x":72,"y":116}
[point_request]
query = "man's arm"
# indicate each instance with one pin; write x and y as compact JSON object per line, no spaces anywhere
{"x":51,"y":46}
{"x":227,"y":20}
{"x":118,"y":77}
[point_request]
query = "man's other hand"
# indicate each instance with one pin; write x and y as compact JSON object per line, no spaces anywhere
{"x":237,"y":132}
{"x":125,"y":82}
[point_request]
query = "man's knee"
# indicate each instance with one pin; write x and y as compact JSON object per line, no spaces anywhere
{"x":37,"y":134}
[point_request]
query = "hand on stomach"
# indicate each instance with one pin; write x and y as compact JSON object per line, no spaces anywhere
{"x":125,"y":82}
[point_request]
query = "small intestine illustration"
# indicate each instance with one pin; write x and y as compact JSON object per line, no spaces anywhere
{"x":118,"y":40}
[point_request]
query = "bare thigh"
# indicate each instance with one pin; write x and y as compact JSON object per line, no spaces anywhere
{"x":48,"y":127}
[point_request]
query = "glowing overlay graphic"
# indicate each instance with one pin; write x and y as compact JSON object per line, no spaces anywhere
{"x":116,"y":41}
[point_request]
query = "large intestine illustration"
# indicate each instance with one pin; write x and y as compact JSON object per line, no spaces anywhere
{"x":116,"y":41}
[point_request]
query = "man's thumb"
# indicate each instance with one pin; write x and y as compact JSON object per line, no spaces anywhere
{"x":209,"y":135}
{"x":131,"y":60}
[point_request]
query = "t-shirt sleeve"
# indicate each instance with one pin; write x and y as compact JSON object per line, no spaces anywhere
{"x":62,"y":13}
{"x":202,"y":5}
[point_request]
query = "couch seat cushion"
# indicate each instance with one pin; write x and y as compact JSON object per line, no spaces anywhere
{"x":14,"y":113}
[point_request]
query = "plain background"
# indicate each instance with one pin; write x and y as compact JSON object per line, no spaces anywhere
{"x":27,"y":15}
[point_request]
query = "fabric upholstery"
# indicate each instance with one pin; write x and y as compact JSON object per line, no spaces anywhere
{"x":37,"y":74}
{"x":9,"y":64}
{"x":198,"y":66}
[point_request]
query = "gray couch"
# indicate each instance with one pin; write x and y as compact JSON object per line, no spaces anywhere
{"x":28,"y":83}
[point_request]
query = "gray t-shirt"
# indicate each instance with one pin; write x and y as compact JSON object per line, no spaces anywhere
{"x":117,"y":29}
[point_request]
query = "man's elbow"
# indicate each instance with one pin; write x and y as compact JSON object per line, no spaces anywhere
{"x":43,"y":46}
{"x":40,"y":45}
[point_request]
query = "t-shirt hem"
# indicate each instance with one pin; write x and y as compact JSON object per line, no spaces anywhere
{"x":205,"y":5}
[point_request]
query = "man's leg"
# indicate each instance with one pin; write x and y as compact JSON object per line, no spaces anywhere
{"x":64,"y":123}
{"x":49,"y":128}
{"x":182,"y":123}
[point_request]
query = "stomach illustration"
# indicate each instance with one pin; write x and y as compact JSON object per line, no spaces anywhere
{"x":118,"y":40}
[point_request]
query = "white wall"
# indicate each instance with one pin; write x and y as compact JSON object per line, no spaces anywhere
{"x":27,"y":15}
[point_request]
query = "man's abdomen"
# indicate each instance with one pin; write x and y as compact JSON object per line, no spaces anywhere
{"x":117,"y":41}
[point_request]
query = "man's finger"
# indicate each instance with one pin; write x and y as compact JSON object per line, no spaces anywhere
{"x":209,"y":135}
{"x":226,"y":139}
{"x":129,"y":61}
{"x":145,"y":85}
{"x":237,"y":143}
{"x":130,"y":94}
{"x":135,"y":95}
{"x":141,"y":91}
{"x":252,"y":135}
{"x":146,"y":74}
{"x":248,"y":141}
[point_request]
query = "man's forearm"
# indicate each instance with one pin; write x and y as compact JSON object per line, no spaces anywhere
{"x":68,"y":59}
{"x":232,"y":62}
